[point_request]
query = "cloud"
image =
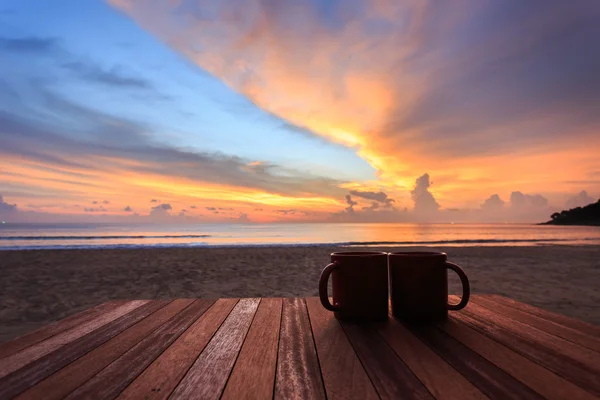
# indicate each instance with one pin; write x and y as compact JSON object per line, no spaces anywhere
{"x":374,"y":206}
{"x":193,"y":207}
{"x":132,"y":148}
{"x":29,"y":44}
{"x":116,"y":76}
{"x":410,"y":85}
{"x":106,"y":202}
{"x":520,"y":201}
{"x":6,"y":208}
{"x":493,"y":204}
{"x":161,"y":211}
{"x":128,"y":209}
{"x":154,"y":201}
{"x":380,"y":197}
{"x":579,"y":200}
{"x":424,"y":202}
{"x":243,"y":217}
{"x":94,"y":209}
{"x":94,"y":202}
{"x":351,"y":203}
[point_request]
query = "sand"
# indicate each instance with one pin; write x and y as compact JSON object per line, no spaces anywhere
{"x":38,"y":287}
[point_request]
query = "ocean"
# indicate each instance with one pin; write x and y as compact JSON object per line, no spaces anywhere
{"x":56,"y":236}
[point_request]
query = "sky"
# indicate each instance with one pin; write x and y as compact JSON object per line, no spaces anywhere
{"x":298,"y":111}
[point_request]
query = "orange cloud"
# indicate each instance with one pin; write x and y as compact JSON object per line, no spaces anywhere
{"x":413,"y":88}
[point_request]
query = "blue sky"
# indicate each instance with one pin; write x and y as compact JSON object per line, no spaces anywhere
{"x":181,"y":103}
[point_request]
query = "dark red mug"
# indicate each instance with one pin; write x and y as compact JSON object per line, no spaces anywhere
{"x":359,"y":285}
{"x":419,"y":285}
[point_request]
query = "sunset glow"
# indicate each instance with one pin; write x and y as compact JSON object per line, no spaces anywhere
{"x":312,"y":111}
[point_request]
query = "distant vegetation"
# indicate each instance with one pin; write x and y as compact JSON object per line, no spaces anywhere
{"x":588,"y":215}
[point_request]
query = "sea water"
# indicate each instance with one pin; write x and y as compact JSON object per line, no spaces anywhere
{"x":40,"y":236}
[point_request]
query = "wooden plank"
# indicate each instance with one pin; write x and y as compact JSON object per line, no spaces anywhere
{"x":113,"y":379}
{"x":32,"y":373}
{"x":572,"y":335}
{"x":487,"y":377}
{"x":530,"y":347}
{"x":31,"y":338}
{"x":589,"y":329}
{"x":343,"y":374}
{"x":298,"y":375}
{"x":442,"y":381}
{"x":64,"y":381}
{"x":160,"y":378}
{"x":390,"y":376}
{"x":207,"y":377}
{"x":38,"y":350}
{"x":543,"y":381}
{"x":253,"y":375}
{"x":580,"y":354}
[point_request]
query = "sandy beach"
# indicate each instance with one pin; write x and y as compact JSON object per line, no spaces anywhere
{"x":38,"y":287}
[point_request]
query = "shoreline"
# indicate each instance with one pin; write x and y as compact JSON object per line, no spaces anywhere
{"x":447,"y":243}
{"x":41,"y":286}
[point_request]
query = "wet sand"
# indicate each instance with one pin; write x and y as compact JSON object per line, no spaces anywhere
{"x":41,"y":286}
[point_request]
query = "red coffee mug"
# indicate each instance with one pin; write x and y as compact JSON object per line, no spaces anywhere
{"x":359,"y":283}
{"x":419,"y":285}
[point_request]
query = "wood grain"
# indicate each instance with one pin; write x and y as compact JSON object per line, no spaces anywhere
{"x":32,"y":373}
{"x":487,"y":377}
{"x":390,"y":376}
{"x":160,"y":379}
{"x":572,"y":323}
{"x":207,"y":377}
{"x":543,"y":381}
{"x":38,"y":350}
{"x":530,"y":346}
{"x":572,"y":335}
{"x":343,"y":374}
{"x":578,"y":353}
{"x":443,"y":381}
{"x":298,"y":375}
{"x":8,"y":348}
{"x":253,"y":375}
{"x":113,"y":379}
{"x":63,"y":382}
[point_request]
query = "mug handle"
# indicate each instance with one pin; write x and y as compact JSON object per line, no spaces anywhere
{"x":323,"y":286}
{"x":465,"y":285}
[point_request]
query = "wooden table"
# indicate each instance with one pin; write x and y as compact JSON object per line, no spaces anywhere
{"x":294,"y":348}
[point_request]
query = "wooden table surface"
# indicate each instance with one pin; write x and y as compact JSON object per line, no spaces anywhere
{"x":294,"y":348}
